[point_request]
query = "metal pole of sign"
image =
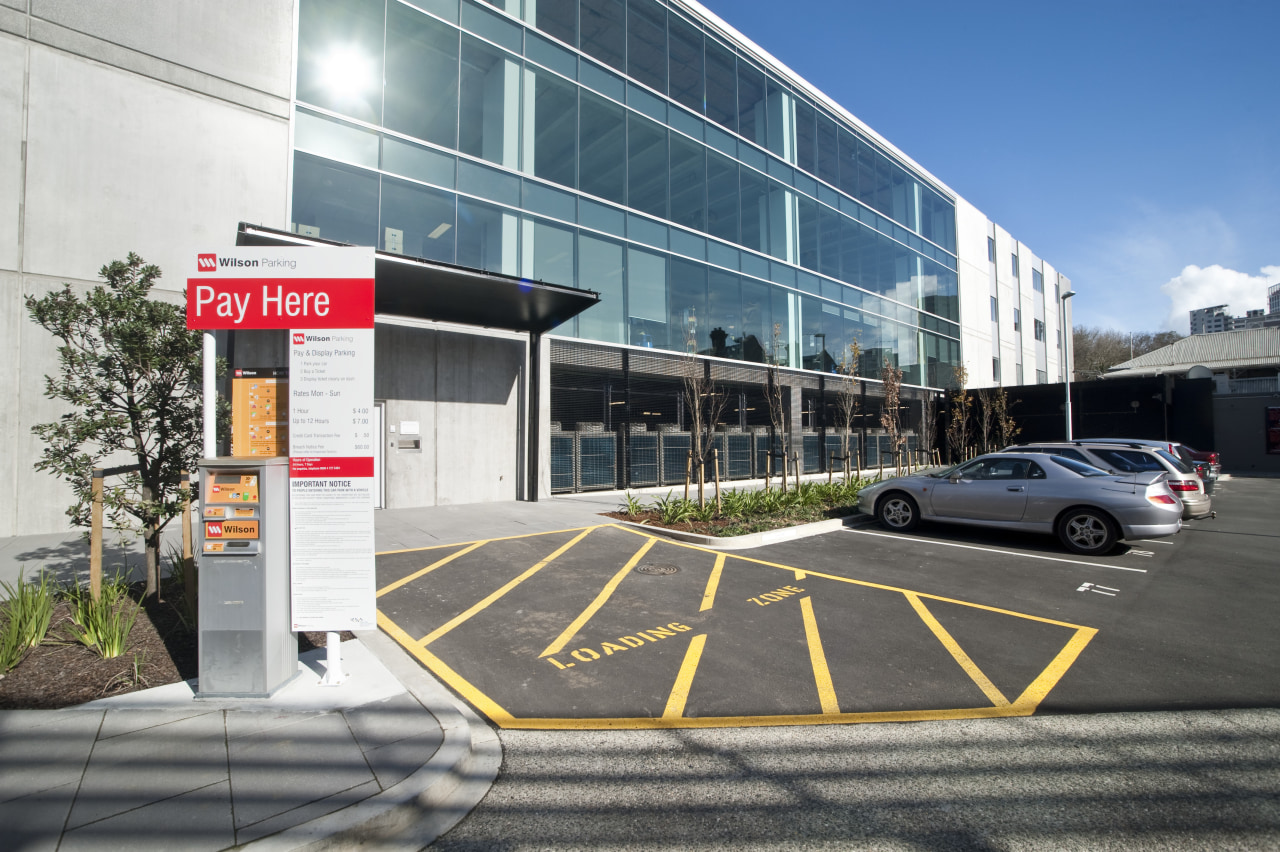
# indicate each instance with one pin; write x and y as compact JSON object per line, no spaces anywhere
{"x":210,"y":399}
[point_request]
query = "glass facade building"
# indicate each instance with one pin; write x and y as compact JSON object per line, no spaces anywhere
{"x":632,"y":148}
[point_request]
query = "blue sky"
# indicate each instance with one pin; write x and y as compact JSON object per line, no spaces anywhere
{"x":1133,"y":144}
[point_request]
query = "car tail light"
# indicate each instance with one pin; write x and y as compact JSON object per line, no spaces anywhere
{"x":1164,"y":499}
{"x":1213,"y":458}
{"x":1184,"y":485}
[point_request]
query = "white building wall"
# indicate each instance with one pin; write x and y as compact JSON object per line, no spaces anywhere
{"x":145,"y":126}
{"x":977,"y":346}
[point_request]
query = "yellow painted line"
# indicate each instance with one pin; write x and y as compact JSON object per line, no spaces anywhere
{"x":433,"y":566}
{"x":709,"y":596}
{"x":478,"y":699}
{"x":484,"y":604}
{"x":684,"y":680}
{"x":605,"y":593}
{"x":800,"y":575}
{"x":501,"y":538}
{"x":970,"y":667}
{"x":1049,"y":678}
{"x":821,"y":674}
{"x":648,"y":723}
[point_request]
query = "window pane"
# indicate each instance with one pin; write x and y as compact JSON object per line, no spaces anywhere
{"x":556,"y":18}
{"x":488,"y":237}
{"x":600,"y":269}
{"x":494,"y":28}
{"x":849,"y":166}
{"x":722,"y":85}
{"x":490,"y":108}
{"x":334,"y":201}
{"x":724,"y":316}
{"x":550,"y":257}
{"x":688,"y":183}
{"x":422,"y":76}
{"x":329,"y":138}
{"x":757,"y":320}
{"x":686,"y":63}
{"x":829,"y":242}
{"x":828,"y":151}
{"x":417,"y":162}
{"x":417,"y":221}
{"x":603,"y":140}
{"x":722,"y":197}
{"x":755,"y":210}
{"x":340,"y":56}
{"x":647,"y":297}
{"x":555,"y":129}
{"x":781,"y":115}
{"x":647,"y":44}
{"x":647,"y":166}
{"x":604,"y":33}
{"x":688,"y":305}
{"x":807,"y":220}
{"x":751,"y":111}
{"x":806,"y":138}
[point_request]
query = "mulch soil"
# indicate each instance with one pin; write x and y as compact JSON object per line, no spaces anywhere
{"x":63,"y":673}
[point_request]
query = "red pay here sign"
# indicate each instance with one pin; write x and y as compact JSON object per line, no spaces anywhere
{"x":270,"y":288}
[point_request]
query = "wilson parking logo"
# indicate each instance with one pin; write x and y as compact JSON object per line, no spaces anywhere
{"x":213,"y":530}
{"x":207,"y":262}
{"x":299,"y":338}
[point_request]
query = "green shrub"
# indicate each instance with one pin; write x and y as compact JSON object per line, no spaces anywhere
{"x":104,"y":624}
{"x":27,"y":610}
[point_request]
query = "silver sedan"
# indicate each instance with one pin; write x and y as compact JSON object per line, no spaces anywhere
{"x":1087,"y":508}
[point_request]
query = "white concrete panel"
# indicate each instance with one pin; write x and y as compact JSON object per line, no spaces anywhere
{"x":974,"y":272}
{"x":120,"y":163}
{"x":246,"y":41}
{"x":13,"y":53}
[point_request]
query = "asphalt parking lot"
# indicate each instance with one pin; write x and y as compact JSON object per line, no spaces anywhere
{"x":609,"y":627}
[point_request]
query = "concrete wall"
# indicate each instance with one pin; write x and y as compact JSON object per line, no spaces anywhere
{"x":139,"y":125}
{"x":1239,"y":425}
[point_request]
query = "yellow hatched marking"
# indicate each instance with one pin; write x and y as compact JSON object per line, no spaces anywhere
{"x":709,"y":596}
{"x":478,"y":699}
{"x":984,"y":683}
{"x":1049,"y":678}
{"x":486,"y":541}
{"x":605,"y":593}
{"x":684,"y":680}
{"x":821,"y":674}
{"x":433,"y":566}
{"x":484,"y":604}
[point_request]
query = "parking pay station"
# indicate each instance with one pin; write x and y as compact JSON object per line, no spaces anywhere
{"x":246,"y":646}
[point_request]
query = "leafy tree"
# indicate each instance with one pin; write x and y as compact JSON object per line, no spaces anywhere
{"x":847,"y":399}
{"x":131,"y":373}
{"x":958,"y":421}
{"x":1006,"y":427}
{"x":705,"y":403}
{"x":1095,"y":350}
{"x":890,"y":411}
{"x":773,"y":394}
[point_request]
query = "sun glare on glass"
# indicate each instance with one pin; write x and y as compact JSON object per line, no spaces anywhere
{"x":346,"y":72}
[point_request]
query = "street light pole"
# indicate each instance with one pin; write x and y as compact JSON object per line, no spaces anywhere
{"x":1066,"y":353}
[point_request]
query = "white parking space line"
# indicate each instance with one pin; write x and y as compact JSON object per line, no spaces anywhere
{"x":998,"y":550}
{"x":1153,"y":541}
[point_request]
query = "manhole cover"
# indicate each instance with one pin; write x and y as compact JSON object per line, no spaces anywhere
{"x":657,"y":568}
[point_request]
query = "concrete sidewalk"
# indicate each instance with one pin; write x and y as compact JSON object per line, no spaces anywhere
{"x":388,"y":759}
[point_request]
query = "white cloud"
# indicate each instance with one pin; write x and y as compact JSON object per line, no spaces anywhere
{"x":1196,"y":287}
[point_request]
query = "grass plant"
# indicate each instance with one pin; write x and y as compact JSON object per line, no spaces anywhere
{"x":104,"y":624}
{"x":27,"y":608}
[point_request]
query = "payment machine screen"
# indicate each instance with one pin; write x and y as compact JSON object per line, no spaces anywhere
{"x":231,"y":513}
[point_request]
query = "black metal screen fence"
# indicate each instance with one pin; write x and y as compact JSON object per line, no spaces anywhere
{"x":619,"y":419}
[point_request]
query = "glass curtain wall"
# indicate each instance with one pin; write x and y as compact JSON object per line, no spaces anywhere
{"x":619,"y":146}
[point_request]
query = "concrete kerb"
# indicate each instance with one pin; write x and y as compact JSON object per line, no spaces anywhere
{"x":414,"y":813}
{"x":757,"y":539}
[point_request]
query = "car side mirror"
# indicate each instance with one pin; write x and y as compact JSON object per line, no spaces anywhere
{"x":954,"y":478}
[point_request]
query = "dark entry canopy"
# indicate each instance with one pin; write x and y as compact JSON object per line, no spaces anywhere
{"x":426,"y":289}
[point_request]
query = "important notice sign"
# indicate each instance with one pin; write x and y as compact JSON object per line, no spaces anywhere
{"x":323,"y":296}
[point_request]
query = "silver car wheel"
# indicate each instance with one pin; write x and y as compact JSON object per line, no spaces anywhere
{"x":899,"y":512}
{"x":1087,"y":532}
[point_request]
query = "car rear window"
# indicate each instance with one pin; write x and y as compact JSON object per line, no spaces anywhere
{"x":1078,"y":467}
{"x":1178,"y":464}
{"x":1130,"y":461}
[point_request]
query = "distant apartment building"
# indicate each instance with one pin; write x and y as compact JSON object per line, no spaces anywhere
{"x":1216,"y":318}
